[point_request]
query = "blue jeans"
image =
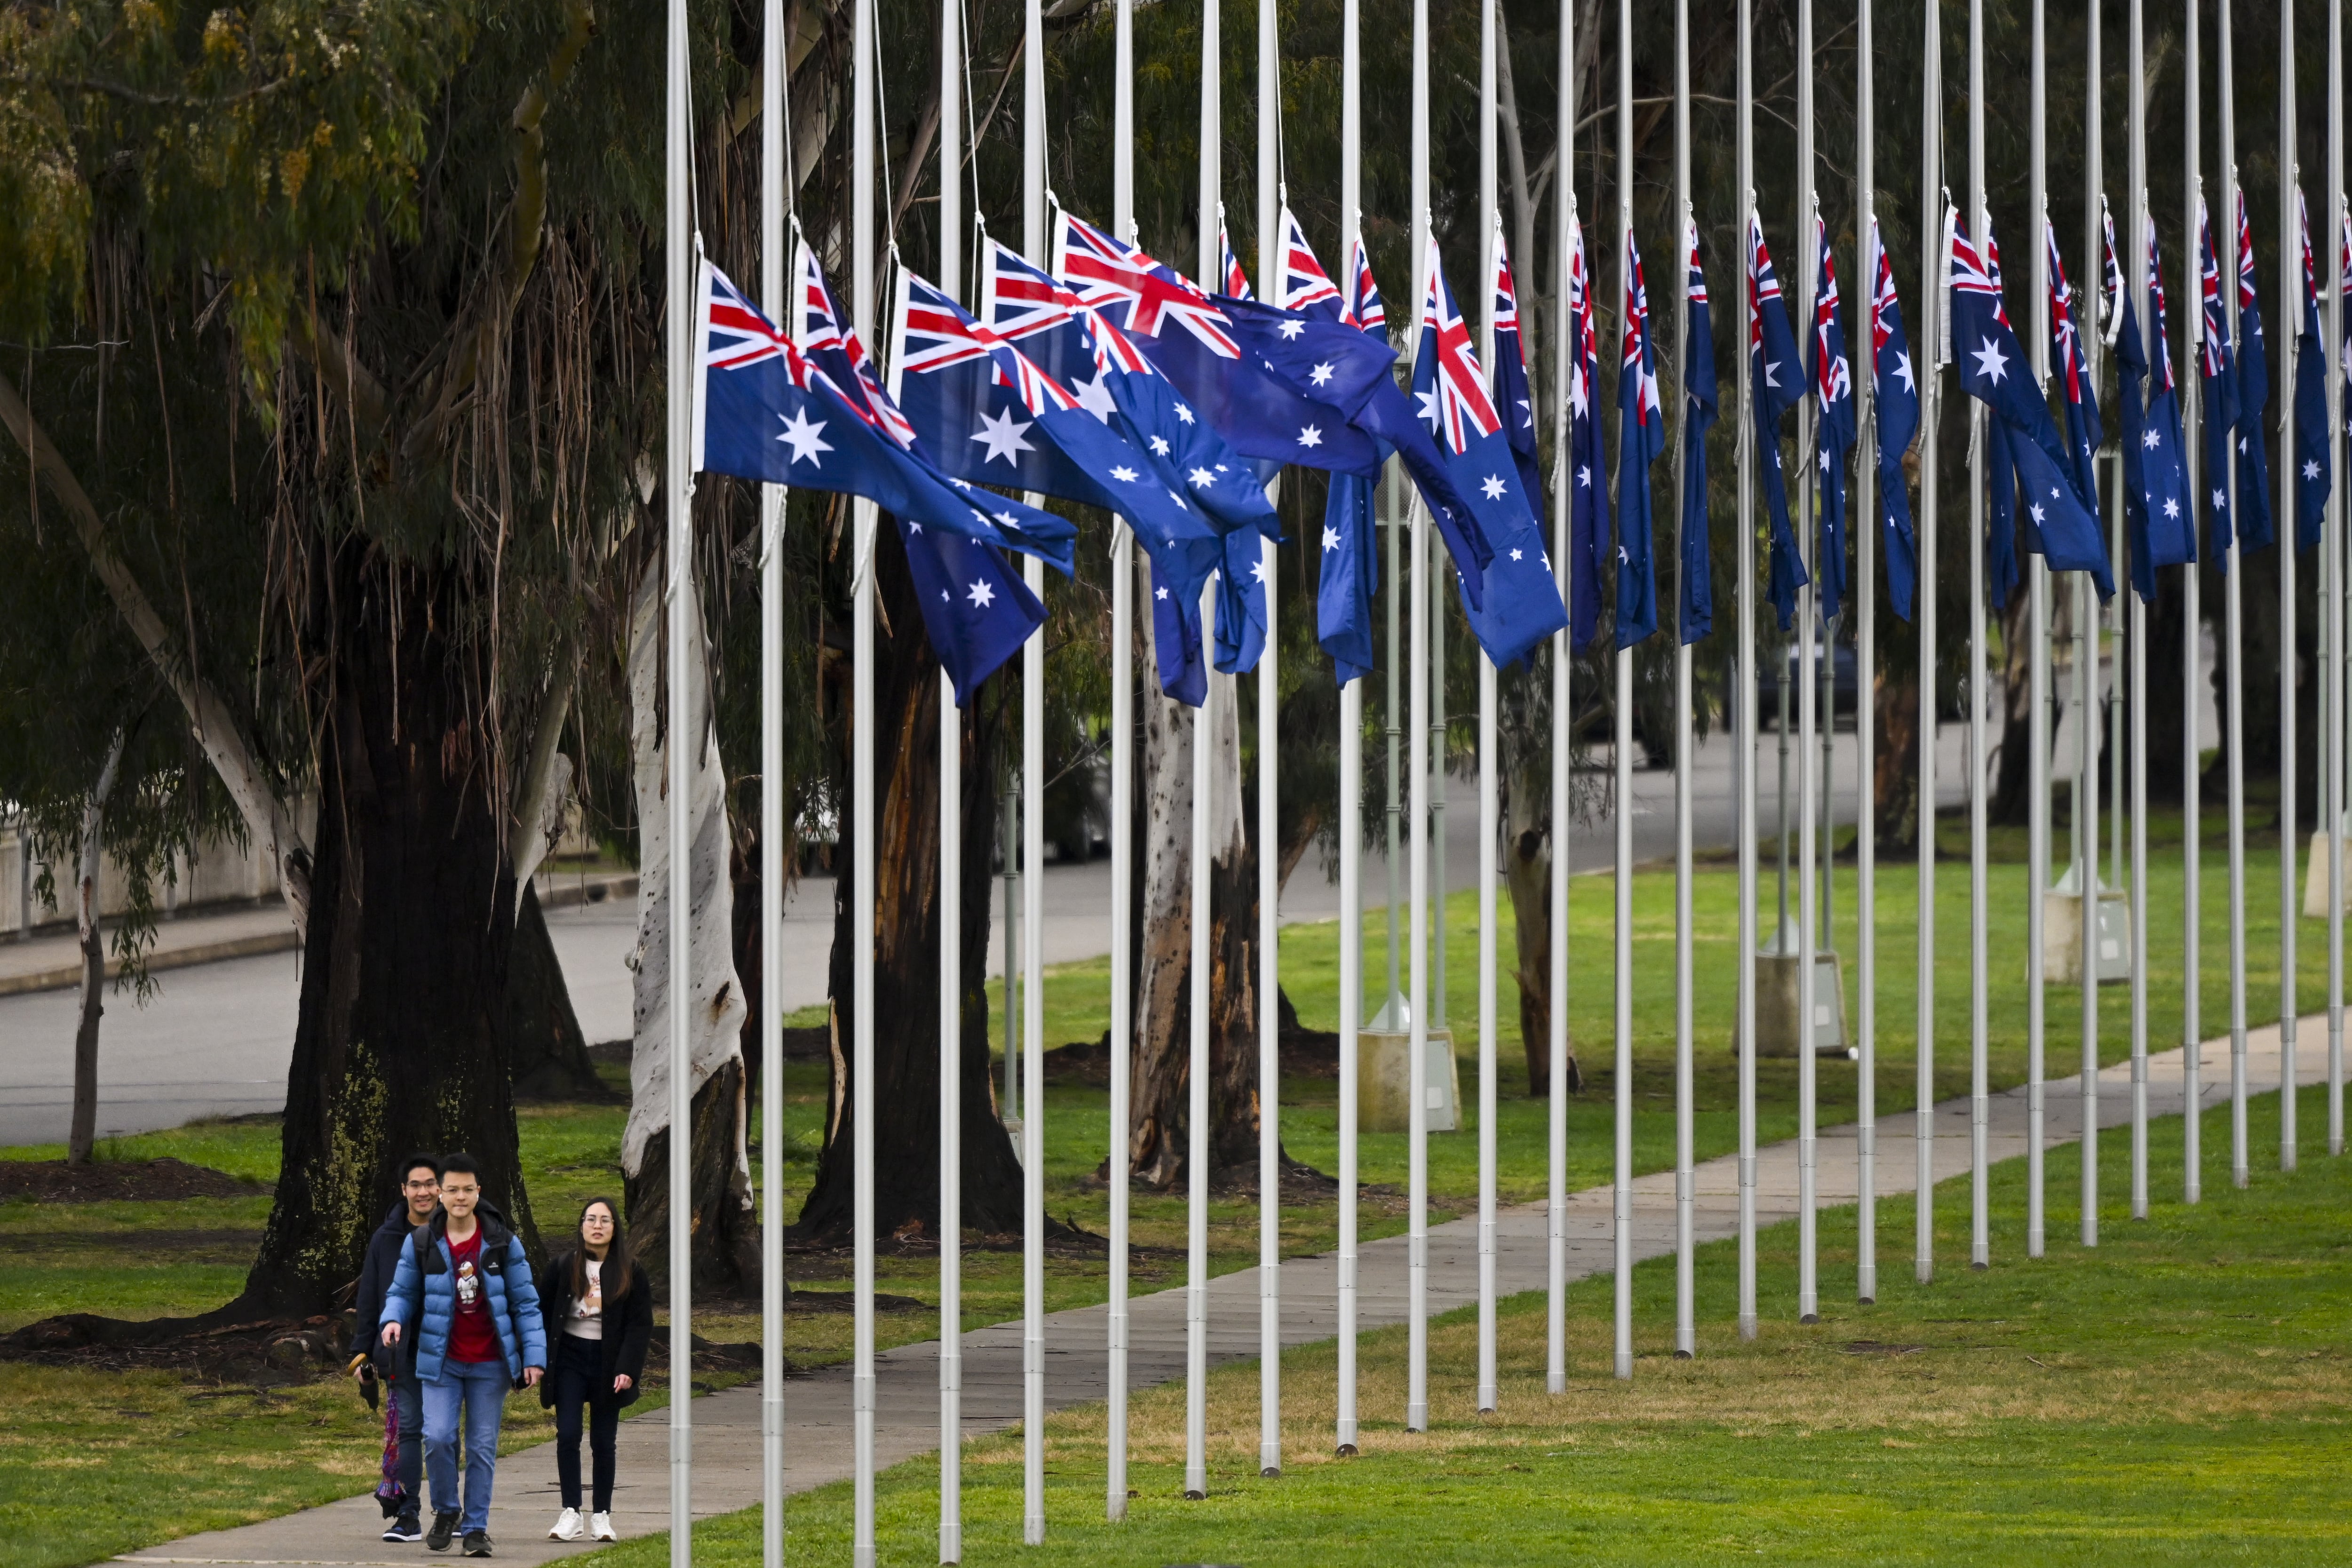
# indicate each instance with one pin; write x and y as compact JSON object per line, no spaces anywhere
{"x":478,"y":1389}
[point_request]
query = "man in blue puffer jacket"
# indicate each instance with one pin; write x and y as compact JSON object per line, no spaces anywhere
{"x":463,"y":1299}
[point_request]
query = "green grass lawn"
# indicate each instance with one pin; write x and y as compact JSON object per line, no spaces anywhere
{"x":2181,"y":1395}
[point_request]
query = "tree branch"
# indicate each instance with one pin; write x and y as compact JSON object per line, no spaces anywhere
{"x":265,"y":816}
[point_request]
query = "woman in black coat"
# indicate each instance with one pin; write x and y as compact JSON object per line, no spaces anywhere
{"x":600,"y":1320}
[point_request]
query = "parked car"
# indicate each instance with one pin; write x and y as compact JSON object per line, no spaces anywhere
{"x":1845,"y":686}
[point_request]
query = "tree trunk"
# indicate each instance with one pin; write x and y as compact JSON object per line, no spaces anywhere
{"x":2012,"y":785}
{"x":726,"y":1249}
{"x":83,"y":1134}
{"x":1158,"y":1133}
{"x":402,"y":1041}
{"x":1526,"y":873}
{"x":550,"y":1060}
{"x":1895,"y":774}
{"x":907,"y":953}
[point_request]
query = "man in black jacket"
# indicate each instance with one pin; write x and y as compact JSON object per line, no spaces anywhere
{"x":402,"y":1491}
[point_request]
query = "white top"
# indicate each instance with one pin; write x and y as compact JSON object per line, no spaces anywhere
{"x":587,"y":1321}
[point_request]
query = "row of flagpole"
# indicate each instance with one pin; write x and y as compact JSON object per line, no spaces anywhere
{"x":1426,"y":772}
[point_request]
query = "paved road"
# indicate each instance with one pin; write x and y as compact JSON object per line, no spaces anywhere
{"x":817,"y":1411}
{"x":216,"y":1039}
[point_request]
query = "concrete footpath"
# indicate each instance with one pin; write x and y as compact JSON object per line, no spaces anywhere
{"x":727,"y":1426}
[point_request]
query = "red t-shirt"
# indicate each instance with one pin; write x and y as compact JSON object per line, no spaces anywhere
{"x":473,"y":1337}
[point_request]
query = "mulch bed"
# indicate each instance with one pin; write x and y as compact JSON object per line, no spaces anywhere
{"x":116,"y":1181}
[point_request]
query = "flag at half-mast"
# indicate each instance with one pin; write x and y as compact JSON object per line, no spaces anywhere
{"x":2155,"y":485}
{"x":1774,"y":369}
{"x":1640,"y":438}
{"x":1521,"y":607}
{"x":1362,"y":306}
{"x":1348,"y":572}
{"x":1235,"y":281}
{"x":1697,"y":581}
{"x":2314,"y":452}
{"x":1515,"y":399}
{"x":1994,"y":369}
{"x":2002,"y":567}
{"x":2256,"y":529}
{"x":1587,"y":487}
{"x":2218,"y":394}
{"x":1895,"y":421}
{"x":2076,"y":394}
{"x":1831,"y":378}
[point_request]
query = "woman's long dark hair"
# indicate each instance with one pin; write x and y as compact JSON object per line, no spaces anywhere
{"x":620,"y":1264}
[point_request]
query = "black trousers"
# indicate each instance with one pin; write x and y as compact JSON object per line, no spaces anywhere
{"x":579,"y":1374}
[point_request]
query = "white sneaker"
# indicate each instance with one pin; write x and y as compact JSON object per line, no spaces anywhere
{"x":600,"y":1528}
{"x":567,"y":1526}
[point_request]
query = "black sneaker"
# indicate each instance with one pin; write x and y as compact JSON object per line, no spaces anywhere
{"x":405,"y":1527}
{"x":477,"y":1543}
{"x":445,"y":1525}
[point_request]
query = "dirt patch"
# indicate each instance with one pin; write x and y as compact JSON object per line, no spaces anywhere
{"x":263,"y":1352}
{"x":845,"y":1301}
{"x":117,"y":1181}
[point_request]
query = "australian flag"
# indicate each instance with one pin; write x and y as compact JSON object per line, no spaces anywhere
{"x":1993,"y":369}
{"x":1832,"y":383}
{"x":754,"y":380}
{"x":1588,"y":488}
{"x":2002,"y":567}
{"x":1699,"y":411}
{"x":1895,"y":419}
{"x":1521,"y":607}
{"x":1640,"y":438}
{"x":2077,"y":394}
{"x":2255,"y":528}
{"x":1193,"y":344}
{"x":1350,"y":567}
{"x":2156,"y":486}
{"x":1773,"y":368}
{"x":1235,"y":281}
{"x":2218,"y":383}
{"x":2314,"y":455}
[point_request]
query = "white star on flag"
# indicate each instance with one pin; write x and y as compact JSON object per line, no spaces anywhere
{"x":1584,"y":477}
{"x":2310,"y":470}
{"x":2036,"y":510}
{"x":1493,"y":487}
{"x":1094,"y":396}
{"x":1201,"y":477}
{"x":1123,"y":474}
{"x":1428,"y":408}
{"x":981,"y":595}
{"x":1001,"y":437}
{"x":1184,"y":413}
{"x":1160,"y":592}
{"x":2151,"y":441}
{"x":1292,"y":329}
{"x":1160,"y":446}
{"x":1519,"y":554}
{"x":1321,"y":375}
{"x":1330,"y":540}
{"x":2220,"y":500}
{"x":1310,"y":436}
{"x":1257,"y":569}
{"x":2171,"y":508}
{"x":1903,"y":371}
{"x":1992,"y":363}
{"x":801,"y":433}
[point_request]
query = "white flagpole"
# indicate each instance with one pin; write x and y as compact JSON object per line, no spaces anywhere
{"x":1686,"y":1202}
{"x":1979,"y":901}
{"x":1416,"y":1409}
{"x":950,"y":895}
{"x":1122,"y":819}
{"x":1744,"y":700}
{"x":2333,"y":580}
{"x":1556,"y":1104}
{"x":2233,"y":626}
{"x":1033,"y":881}
{"x":2037,"y":572}
{"x":2086,"y":639}
{"x":1489,"y":744}
{"x":772,"y":99}
{"x":1351,"y":788}
{"x":1866,"y":527}
{"x":864,"y":818}
{"x":2135,"y":264}
{"x":676,"y":494}
{"x":2192,"y":662}
{"x":1269,"y":846}
{"x":1809,"y":779}
{"x":1624,"y":1197}
{"x":2290,"y":297}
{"x":1932,"y":264}
{"x":1196,"y":1159}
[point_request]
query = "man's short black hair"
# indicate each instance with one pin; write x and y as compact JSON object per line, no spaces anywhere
{"x":430,"y":1162}
{"x":461,"y":1164}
